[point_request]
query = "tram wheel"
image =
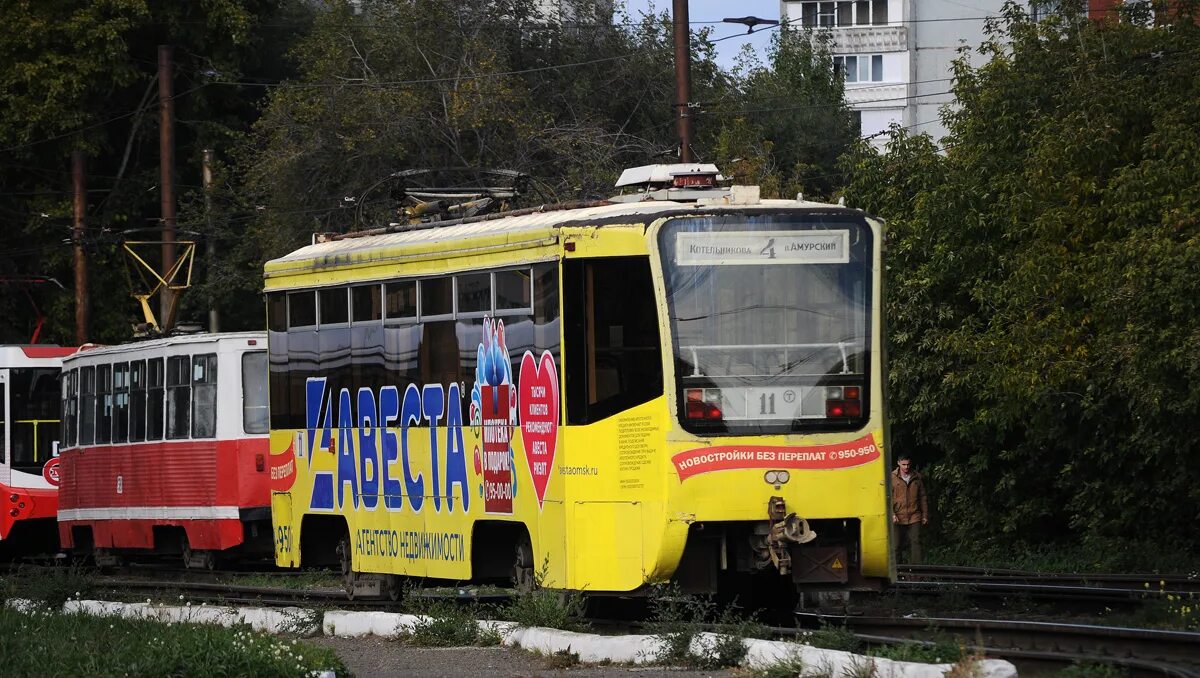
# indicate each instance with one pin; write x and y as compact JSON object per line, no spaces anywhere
{"x":523,"y":576}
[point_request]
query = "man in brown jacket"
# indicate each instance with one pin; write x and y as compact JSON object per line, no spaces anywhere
{"x":910,"y":508}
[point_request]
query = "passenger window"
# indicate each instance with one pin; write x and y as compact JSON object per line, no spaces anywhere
{"x":401,"y":300}
{"x":333,"y":306}
{"x":366,"y":303}
{"x":179,"y":396}
{"x":613,"y":351}
{"x":255,"y":415}
{"x":137,"y":401}
{"x":302,"y":309}
{"x":71,"y":407}
{"x":474,"y":293}
{"x":104,"y":403}
{"x":437,"y":297}
{"x":204,"y":396}
{"x":277,"y":319}
{"x":154,"y":401}
{"x":120,"y":402}
{"x":514,"y":291}
{"x":87,"y":405}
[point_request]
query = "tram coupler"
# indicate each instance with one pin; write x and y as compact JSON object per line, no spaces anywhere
{"x":772,"y":542}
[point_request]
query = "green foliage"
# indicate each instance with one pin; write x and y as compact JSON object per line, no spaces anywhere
{"x":831,"y":637}
{"x":547,"y":608}
{"x":446,"y":624}
{"x":938,"y":652}
{"x":50,"y":586}
{"x":676,"y":618}
{"x":1091,"y":671}
{"x":790,"y":123}
{"x":1042,"y":271}
{"x":109,"y":646}
{"x":83,"y":76}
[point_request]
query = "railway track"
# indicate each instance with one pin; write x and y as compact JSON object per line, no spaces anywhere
{"x":1141,"y":651}
{"x":1144,"y":651}
{"x":1147,"y":583}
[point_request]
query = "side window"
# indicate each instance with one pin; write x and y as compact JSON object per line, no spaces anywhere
{"x":104,"y":403}
{"x":137,"y":401}
{"x":120,"y":402}
{"x":154,"y":399}
{"x":277,"y":319}
{"x":255,"y":414}
{"x":87,"y":405}
{"x":613,"y":352}
{"x":70,"y":415}
{"x":179,"y":396}
{"x":204,"y":396}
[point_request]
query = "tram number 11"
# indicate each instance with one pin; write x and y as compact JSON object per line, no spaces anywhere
{"x":766,"y":403}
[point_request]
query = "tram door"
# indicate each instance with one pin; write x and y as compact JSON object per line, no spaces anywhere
{"x":5,"y":473}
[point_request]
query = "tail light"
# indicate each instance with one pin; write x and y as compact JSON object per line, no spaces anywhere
{"x":843,"y":402}
{"x":702,"y":404}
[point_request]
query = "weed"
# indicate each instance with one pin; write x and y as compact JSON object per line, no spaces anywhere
{"x":677,"y":618}
{"x":790,"y":667}
{"x":942,"y":651}
{"x":1090,"y":671}
{"x":966,"y":667}
{"x":831,"y":637}
{"x":861,"y":668}
{"x":303,"y":622}
{"x":445,"y":625}
{"x":563,"y":659}
{"x":539,"y":606}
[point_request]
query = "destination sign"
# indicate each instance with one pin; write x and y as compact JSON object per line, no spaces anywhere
{"x":741,"y":248}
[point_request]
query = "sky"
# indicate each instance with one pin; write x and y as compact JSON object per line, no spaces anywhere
{"x":715,"y":10}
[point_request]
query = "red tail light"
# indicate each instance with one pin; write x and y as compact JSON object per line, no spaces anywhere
{"x":853,"y":408}
{"x":701,"y":407}
{"x":835,"y":408}
{"x":851,"y":393}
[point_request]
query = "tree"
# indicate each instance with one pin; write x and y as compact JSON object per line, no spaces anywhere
{"x":83,"y":76}
{"x":790,"y":122}
{"x":1043,"y":313}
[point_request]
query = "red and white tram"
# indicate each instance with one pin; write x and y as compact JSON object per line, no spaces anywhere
{"x":29,"y":436}
{"x":165,"y":449}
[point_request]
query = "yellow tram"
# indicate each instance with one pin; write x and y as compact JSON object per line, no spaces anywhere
{"x":687,"y":389}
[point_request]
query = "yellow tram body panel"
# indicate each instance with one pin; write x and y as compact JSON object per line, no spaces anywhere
{"x":608,"y":505}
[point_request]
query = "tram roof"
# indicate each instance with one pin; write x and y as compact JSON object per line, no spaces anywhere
{"x":503,"y":230}
{"x":152,"y":345}
{"x":32,"y":354}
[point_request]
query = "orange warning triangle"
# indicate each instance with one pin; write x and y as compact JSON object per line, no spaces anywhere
{"x":836,"y":564}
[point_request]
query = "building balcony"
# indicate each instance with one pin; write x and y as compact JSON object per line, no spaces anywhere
{"x":859,"y":39}
{"x":861,"y":96}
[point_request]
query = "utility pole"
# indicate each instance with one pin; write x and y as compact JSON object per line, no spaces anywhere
{"x":683,"y":78}
{"x":166,"y":161}
{"x":210,"y":245}
{"x":81,"y":275}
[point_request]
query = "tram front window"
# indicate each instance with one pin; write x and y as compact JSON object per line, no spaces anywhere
{"x":771,"y":321}
{"x":33,"y":416}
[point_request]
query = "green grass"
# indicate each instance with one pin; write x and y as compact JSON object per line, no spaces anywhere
{"x":939,"y":652}
{"x":831,"y":637}
{"x":55,"y":644}
{"x":54,"y":586}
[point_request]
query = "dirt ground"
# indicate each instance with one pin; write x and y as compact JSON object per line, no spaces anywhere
{"x":374,"y":657}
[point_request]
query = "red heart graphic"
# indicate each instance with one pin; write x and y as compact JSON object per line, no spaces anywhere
{"x":539,"y":417}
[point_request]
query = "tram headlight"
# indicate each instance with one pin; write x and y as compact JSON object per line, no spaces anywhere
{"x":14,"y":497}
{"x":777,"y":478}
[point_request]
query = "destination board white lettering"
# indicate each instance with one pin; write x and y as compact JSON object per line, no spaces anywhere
{"x":762,"y":248}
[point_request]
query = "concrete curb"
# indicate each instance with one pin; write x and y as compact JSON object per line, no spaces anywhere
{"x":591,"y":648}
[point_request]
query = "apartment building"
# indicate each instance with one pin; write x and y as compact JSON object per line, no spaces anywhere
{"x":896,"y":54}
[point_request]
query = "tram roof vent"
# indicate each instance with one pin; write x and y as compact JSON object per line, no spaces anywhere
{"x":680,"y":181}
